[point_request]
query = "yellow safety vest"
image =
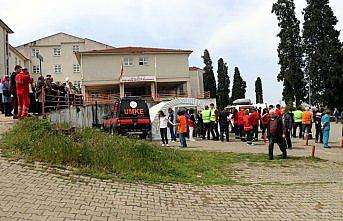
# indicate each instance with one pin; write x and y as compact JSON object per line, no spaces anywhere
{"x":206,"y":114}
{"x":213,"y":115}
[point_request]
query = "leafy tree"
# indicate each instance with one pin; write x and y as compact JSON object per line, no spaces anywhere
{"x":290,"y":52}
{"x":323,"y":54}
{"x":259,"y":91}
{"x":238,"y":87}
{"x":223,"y":84}
{"x":209,"y":80}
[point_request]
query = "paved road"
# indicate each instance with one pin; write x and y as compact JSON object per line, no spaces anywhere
{"x":299,"y":192}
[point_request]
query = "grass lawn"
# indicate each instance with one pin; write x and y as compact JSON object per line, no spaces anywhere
{"x":98,"y":154}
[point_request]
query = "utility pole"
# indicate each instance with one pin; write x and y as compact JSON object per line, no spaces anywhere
{"x":309,"y":90}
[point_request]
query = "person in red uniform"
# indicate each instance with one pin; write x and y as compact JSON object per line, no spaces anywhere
{"x":255,"y":116}
{"x":278,"y":110}
{"x":23,"y":80}
{"x":241,"y":124}
{"x":264,"y":122}
{"x":248,"y":126}
{"x":234,"y":118}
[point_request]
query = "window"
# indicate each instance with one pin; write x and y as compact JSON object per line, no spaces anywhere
{"x":128,"y":61}
{"x":16,"y":60}
{"x":20,"y":62}
{"x":58,"y":68}
{"x":77,"y":83}
{"x":35,"y":51}
{"x":143,"y":61}
{"x":76,"y":48}
{"x":35,"y":69}
{"x":57,"y":52}
{"x":76,"y":68}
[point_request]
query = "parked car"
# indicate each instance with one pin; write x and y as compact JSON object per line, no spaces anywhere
{"x":130,"y":116}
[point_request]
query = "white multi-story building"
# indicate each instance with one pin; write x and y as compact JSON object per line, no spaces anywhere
{"x":155,"y":73}
{"x":58,"y":52}
{"x":4,"y":48}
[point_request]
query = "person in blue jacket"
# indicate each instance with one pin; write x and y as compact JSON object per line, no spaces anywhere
{"x":326,"y":129}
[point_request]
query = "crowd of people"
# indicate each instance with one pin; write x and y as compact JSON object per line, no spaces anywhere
{"x":20,"y":95}
{"x":278,"y":125}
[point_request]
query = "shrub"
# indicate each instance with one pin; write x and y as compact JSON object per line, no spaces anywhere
{"x":93,"y":152}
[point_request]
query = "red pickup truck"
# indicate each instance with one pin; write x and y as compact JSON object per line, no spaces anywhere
{"x":130,"y":116}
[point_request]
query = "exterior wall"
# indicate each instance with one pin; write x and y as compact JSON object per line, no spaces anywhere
{"x":16,"y":59}
{"x":67,"y":58}
{"x":196,"y":81}
{"x":3,"y":51}
{"x":93,"y":45}
{"x":102,"y":68}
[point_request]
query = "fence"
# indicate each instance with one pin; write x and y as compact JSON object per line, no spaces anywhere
{"x":57,"y":100}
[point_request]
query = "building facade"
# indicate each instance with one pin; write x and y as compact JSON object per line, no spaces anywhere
{"x":16,"y":58}
{"x":4,"y":48}
{"x":154,"y":73}
{"x":58,"y":53}
{"x":197,"y":83}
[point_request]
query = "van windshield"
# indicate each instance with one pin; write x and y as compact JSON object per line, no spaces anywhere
{"x":133,"y":108}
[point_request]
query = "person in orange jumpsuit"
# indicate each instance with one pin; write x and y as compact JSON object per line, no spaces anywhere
{"x":182,"y":128}
{"x":23,"y":80}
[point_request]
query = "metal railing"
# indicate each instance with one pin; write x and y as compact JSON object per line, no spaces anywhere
{"x":57,"y":100}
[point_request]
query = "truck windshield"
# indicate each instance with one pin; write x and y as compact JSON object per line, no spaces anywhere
{"x":133,"y":108}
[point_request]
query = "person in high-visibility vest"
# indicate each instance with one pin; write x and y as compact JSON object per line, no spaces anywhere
{"x":214,"y":122}
{"x":298,"y":122}
{"x":206,"y":115}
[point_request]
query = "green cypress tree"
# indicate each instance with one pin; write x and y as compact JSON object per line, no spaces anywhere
{"x":334,"y":93}
{"x":323,"y":54}
{"x":238,"y":86}
{"x":290,"y":52}
{"x":223,"y":84}
{"x":209,"y":80}
{"x":259,"y":91}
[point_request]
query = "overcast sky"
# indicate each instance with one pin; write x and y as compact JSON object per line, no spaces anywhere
{"x":241,"y":32}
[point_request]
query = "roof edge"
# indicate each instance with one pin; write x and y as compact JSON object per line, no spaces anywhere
{"x":8,"y":29}
{"x":138,"y":50}
{"x":18,"y":52}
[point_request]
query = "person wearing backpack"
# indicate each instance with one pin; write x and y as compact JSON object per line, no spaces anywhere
{"x":276,"y":135}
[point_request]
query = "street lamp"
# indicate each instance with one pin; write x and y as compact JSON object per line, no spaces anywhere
{"x":40,"y":57}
